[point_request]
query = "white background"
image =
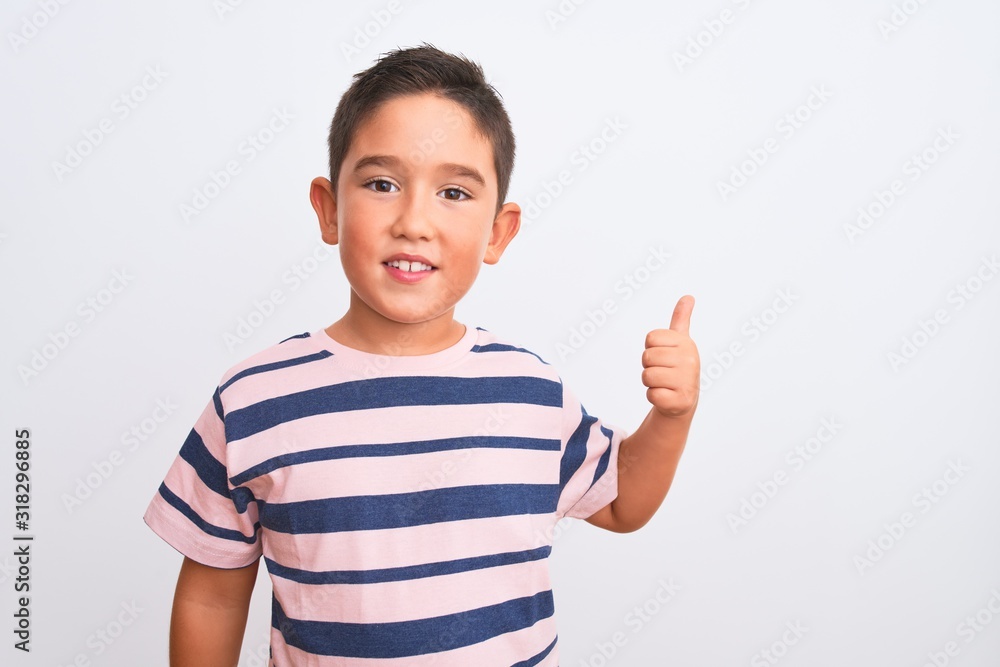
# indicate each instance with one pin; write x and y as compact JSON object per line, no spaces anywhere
{"x":854,"y":297}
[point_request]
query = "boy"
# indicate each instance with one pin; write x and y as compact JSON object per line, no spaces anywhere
{"x":401,"y":472}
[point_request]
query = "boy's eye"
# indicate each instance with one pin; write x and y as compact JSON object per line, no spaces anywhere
{"x":455,"y":194}
{"x":380,"y":185}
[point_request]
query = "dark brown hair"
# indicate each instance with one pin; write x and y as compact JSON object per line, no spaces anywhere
{"x":424,"y":69}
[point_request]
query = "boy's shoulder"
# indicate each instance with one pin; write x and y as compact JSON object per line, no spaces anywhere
{"x":512,"y":350}
{"x":514,"y":358}
{"x":293,"y":350}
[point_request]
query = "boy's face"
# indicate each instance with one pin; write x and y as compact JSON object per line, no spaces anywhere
{"x":418,"y":179}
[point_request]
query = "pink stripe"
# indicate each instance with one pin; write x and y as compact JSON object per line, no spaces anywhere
{"x":411,"y":599}
{"x":395,"y":424}
{"x":600,"y":494}
{"x":294,"y":348}
{"x":399,"y":547}
{"x":339,"y":478}
{"x":211,"y":430}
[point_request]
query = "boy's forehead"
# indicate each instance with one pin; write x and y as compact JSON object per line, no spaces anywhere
{"x":427,"y":106}
{"x":422,"y":131}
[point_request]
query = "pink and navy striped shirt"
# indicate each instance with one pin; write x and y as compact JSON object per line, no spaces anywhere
{"x":404,"y":505}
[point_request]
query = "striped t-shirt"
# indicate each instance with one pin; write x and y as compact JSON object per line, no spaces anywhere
{"x":404,"y":505}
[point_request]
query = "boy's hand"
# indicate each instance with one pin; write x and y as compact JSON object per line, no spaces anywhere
{"x":671,"y":365}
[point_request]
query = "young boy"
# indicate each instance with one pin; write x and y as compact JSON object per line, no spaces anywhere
{"x":401,"y":472}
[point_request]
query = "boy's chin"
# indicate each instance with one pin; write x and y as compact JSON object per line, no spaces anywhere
{"x":421,"y":321}
{"x":421,"y":318}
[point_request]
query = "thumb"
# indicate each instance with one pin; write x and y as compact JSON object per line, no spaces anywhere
{"x":681,"y":319}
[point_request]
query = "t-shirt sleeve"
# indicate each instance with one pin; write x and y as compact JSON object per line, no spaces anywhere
{"x":196,"y":510}
{"x":588,"y":477}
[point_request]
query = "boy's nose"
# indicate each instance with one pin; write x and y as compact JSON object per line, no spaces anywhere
{"x":413,"y":220}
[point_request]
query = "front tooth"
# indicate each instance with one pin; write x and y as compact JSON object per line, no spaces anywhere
{"x":404,"y":265}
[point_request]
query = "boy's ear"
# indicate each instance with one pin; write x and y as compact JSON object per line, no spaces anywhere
{"x":505,"y":227}
{"x":324,"y":202}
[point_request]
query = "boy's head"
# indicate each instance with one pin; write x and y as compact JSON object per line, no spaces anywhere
{"x":416,"y":70}
{"x":420,"y":153}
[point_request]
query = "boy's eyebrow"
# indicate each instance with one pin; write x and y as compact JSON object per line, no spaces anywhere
{"x":462,"y":170}
{"x":390,"y":161}
{"x":375,"y":161}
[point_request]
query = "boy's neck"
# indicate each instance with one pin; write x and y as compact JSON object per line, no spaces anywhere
{"x":383,"y":336}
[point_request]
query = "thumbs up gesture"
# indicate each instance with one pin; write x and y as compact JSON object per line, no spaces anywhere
{"x":671,"y":365}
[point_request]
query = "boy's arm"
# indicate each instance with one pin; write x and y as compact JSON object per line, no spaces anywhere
{"x":647,"y":459}
{"x":210,"y":614}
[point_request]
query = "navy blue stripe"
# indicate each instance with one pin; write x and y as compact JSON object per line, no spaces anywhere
{"x":209,"y":469}
{"x":211,"y":529}
{"x":301,"y":335}
{"x":576,"y":449}
{"x":396,"y":510}
{"x":602,"y":464}
{"x":242,"y":497}
{"x":400,"y":639}
{"x":535,"y":659}
{"x":503,"y":347}
{"x":389,"y":392}
{"x":264,"y":368}
{"x":217,"y":400}
{"x":393,"y":449}
{"x":405,"y":573}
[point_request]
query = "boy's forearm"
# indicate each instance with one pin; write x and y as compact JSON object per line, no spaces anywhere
{"x":206,"y":636}
{"x":647,"y":461}
{"x":209,"y":614}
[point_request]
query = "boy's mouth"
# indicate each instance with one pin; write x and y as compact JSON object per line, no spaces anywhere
{"x":408,"y":272}
{"x":410,"y":264}
{"x":403,"y":265}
